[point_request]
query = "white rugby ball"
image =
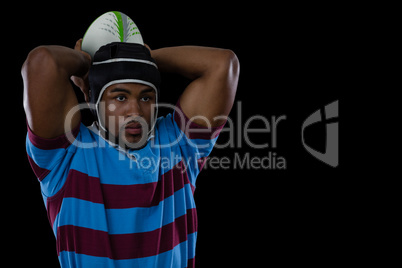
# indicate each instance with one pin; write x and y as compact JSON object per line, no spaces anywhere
{"x":113,"y":26}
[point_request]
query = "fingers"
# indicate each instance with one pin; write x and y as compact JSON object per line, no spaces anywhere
{"x":82,"y":85}
{"x":86,"y":96}
{"x":147,"y":47}
{"x":78,"y":47}
{"x":78,"y":44}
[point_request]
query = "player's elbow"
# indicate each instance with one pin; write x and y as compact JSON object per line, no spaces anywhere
{"x":40,"y":59}
{"x":38,"y":66}
{"x":229,"y":69}
{"x":234,"y":65}
{"x":228,"y":62}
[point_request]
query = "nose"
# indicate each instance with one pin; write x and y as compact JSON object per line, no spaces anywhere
{"x":133,"y":109}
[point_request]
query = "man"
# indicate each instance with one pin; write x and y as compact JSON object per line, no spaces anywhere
{"x":120,"y":193}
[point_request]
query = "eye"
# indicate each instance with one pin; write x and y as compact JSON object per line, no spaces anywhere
{"x":120,"y":98}
{"x":145,"y":99}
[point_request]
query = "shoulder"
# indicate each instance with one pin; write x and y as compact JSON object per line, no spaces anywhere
{"x":177,"y":128}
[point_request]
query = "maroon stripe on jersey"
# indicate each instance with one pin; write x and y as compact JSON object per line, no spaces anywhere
{"x":191,"y":263}
{"x":126,"y":246}
{"x":49,"y":144}
{"x":201,"y":162}
{"x":53,"y":205}
{"x":148,"y":194}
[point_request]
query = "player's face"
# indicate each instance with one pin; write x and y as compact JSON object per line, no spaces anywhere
{"x":128,"y":109}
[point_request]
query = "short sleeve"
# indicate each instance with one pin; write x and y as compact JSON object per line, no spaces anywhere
{"x":45,"y":154}
{"x":197,"y":141}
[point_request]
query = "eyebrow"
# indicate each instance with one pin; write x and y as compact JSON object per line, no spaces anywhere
{"x":120,"y":90}
{"x":146,"y":90}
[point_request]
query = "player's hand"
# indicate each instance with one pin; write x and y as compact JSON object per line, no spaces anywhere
{"x":82,"y":81}
{"x":148,"y":47}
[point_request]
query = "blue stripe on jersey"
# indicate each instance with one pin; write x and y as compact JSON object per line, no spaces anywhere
{"x":44,"y":158}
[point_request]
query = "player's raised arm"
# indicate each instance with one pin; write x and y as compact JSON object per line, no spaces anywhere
{"x":215,"y":74}
{"x":48,"y":94}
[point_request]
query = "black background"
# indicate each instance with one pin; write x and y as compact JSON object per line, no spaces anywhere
{"x":293,"y":62}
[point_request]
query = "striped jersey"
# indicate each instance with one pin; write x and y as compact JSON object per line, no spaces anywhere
{"x":110,"y":208}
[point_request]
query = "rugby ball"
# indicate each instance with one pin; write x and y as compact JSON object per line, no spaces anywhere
{"x":113,"y":26}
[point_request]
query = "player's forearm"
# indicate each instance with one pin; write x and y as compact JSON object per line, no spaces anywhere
{"x":192,"y":61}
